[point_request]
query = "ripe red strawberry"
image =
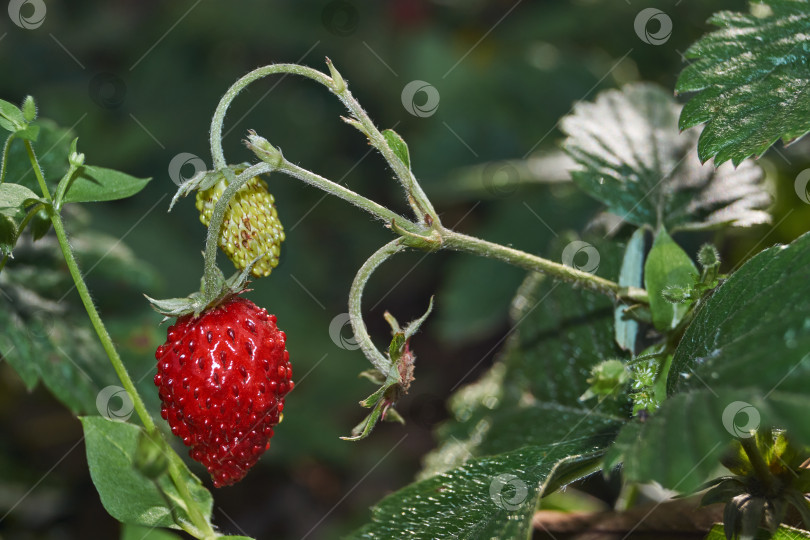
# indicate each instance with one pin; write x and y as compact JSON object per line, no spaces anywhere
{"x":222,"y":378}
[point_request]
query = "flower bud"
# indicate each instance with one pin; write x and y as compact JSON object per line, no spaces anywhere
{"x":263,"y":149}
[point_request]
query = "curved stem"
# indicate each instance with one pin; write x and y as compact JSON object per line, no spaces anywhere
{"x":382,"y":363}
{"x":215,"y":226}
{"x":470,"y":244}
{"x":218,"y":119}
{"x":416,"y":196}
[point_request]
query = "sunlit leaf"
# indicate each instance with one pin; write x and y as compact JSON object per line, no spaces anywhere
{"x":634,"y":159}
{"x":753,"y":80}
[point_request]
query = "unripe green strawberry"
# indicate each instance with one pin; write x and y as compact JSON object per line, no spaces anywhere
{"x":251,"y":226}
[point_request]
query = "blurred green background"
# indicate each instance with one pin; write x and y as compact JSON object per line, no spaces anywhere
{"x":138,"y":81}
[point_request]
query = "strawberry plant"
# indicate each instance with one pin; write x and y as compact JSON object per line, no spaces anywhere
{"x":635,"y":352}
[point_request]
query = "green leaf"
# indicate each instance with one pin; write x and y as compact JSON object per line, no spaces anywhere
{"x":150,"y":458}
{"x":29,"y":133}
{"x":11,"y":117}
{"x":14,"y":198}
{"x":490,"y":497}
{"x":6,"y":124}
{"x":633,"y":158}
{"x":753,"y":80}
{"x":94,"y":184}
{"x":667,"y":265}
{"x":630,"y":276}
{"x":40,"y":224}
{"x":679,"y":446}
{"x":532,"y":395}
{"x":782,"y":533}
{"x":742,"y":364}
{"x":126,"y":494}
{"x":398,"y":145}
{"x":755,"y":330}
{"x":136,"y":532}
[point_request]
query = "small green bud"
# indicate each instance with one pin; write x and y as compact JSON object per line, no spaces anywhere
{"x":643,"y":374}
{"x":708,"y":256}
{"x":675,"y":294}
{"x":29,"y":108}
{"x":644,"y":401}
{"x":75,"y":158}
{"x":263,"y":149}
{"x":354,"y":123}
{"x":150,"y":459}
{"x":608,"y":378}
{"x":337,"y":78}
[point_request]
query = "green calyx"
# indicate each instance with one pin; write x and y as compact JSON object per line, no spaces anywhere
{"x":203,"y":300}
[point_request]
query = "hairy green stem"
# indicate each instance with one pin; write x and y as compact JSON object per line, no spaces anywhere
{"x":355,"y":303}
{"x":37,"y":170}
{"x":348,"y":195}
{"x":203,"y":528}
{"x":469,"y":244}
{"x":175,"y":462}
{"x":420,"y":204}
{"x":4,"y":157}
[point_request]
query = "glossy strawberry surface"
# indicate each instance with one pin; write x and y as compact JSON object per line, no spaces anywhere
{"x":222,"y":379}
